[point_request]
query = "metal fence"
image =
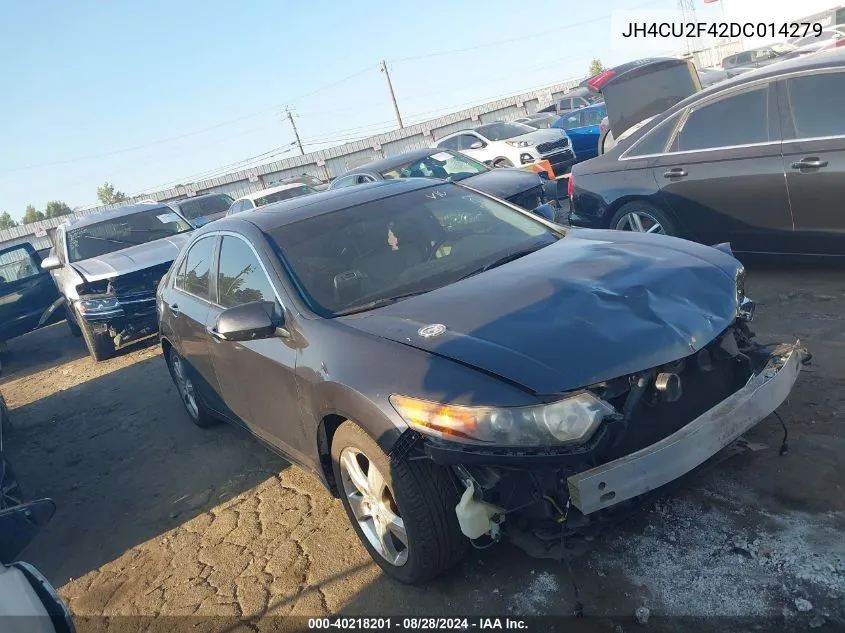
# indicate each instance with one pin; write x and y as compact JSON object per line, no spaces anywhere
{"x":324,"y":164}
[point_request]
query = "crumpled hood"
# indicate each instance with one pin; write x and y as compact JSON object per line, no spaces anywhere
{"x":594,"y":306}
{"x":504,"y":182}
{"x":132,"y":258}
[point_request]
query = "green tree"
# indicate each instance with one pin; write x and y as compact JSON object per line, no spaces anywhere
{"x":596,"y":67}
{"x":6,"y":221}
{"x":31,"y":215}
{"x":55,"y":208}
{"x":108,"y":195}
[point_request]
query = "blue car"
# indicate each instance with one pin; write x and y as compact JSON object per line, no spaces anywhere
{"x":582,"y":127}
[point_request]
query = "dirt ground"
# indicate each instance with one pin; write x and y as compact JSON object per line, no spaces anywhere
{"x":157,"y":517}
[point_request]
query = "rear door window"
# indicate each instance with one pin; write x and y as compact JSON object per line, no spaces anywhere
{"x":740,"y":119}
{"x":654,"y":142}
{"x":194,"y":274}
{"x":813,"y":115}
{"x":451,"y":143}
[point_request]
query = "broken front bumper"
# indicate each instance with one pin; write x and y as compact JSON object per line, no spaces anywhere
{"x":677,"y":454}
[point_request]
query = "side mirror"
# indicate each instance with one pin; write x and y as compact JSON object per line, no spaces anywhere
{"x":247,"y":322}
{"x":546,"y":211}
{"x":50,"y":263}
{"x":477,"y":145}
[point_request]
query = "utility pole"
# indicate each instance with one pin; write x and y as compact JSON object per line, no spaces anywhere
{"x":295,"y":132}
{"x":392,"y":95}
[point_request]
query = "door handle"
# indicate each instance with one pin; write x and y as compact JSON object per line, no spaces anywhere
{"x":811,"y":162}
{"x":174,"y":309}
{"x":214,"y":334}
{"x":675,"y":172}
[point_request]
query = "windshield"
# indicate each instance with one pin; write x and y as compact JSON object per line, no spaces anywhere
{"x":284,"y":194}
{"x":414,"y":242}
{"x":447,"y":165}
{"x":205,"y":206}
{"x":502,"y":131}
{"x":115,"y":234}
{"x":784,"y":47}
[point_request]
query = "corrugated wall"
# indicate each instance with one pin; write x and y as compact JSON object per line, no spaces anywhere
{"x":325,"y":164}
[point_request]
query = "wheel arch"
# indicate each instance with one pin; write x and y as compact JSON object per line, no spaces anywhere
{"x":342,"y":404}
{"x":617,"y":204}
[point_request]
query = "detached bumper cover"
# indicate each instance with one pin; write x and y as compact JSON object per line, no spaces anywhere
{"x":692,"y":445}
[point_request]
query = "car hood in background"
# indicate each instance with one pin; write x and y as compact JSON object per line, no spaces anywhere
{"x":504,"y":182}
{"x":130,"y":259}
{"x":596,"y":305}
{"x":546,"y":135}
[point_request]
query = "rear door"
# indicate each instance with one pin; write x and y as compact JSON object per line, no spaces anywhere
{"x":189,"y":312}
{"x":25,"y":290}
{"x":722,"y":173}
{"x":257,"y":377}
{"x":813,"y":115}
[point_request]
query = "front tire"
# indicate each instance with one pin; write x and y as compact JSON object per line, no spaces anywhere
{"x":643,"y":217}
{"x":72,"y":325}
{"x":502,"y":162}
{"x":180,"y":372}
{"x":100,"y":346}
{"x":403,"y":511}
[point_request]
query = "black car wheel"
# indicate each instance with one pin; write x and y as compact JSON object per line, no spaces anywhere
{"x":100,"y":346}
{"x":10,"y":490}
{"x":72,"y":325}
{"x":502,"y":162}
{"x":642,"y":217}
{"x":184,"y":382}
{"x":403,"y":511}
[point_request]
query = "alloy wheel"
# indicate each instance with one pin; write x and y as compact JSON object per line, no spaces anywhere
{"x":639,"y":222}
{"x":185,"y":387}
{"x":373,"y":506}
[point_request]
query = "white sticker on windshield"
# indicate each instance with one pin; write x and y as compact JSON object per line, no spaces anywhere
{"x":166,"y":218}
{"x":441,"y":156}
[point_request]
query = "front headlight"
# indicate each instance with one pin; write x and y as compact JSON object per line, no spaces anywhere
{"x":572,"y":419}
{"x":89,"y":306}
{"x":519,"y":143}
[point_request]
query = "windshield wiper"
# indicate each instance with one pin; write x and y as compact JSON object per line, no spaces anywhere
{"x":377,"y":303}
{"x":502,"y":260}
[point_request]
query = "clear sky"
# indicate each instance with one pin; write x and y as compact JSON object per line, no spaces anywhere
{"x":152,"y":93}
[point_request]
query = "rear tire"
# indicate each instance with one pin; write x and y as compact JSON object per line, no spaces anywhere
{"x":181,"y":374}
{"x":100,"y":346}
{"x":643,"y":217}
{"x":417,"y":496}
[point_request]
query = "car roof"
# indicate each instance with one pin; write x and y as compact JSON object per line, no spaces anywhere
{"x":830,"y":59}
{"x":94,"y":218}
{"x":377,"y":166}
{"x":269,"y":190}
{"x":277,"y":214}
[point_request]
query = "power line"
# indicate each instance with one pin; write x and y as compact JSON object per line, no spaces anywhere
{"x":522,"y":38}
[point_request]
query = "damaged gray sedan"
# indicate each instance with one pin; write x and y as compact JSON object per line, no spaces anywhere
{"x":459,"y":370}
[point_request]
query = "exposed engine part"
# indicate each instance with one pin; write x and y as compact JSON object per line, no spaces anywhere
{"x":669,"y":386}
{"x":477,"y":518}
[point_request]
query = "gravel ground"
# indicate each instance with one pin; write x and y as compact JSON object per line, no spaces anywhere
{"x":157,"y":517}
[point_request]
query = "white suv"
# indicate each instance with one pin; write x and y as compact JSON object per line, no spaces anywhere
{"x":502,"y":144}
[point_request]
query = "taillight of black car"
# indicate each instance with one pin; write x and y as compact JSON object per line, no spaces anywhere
{"x":569,"y":186}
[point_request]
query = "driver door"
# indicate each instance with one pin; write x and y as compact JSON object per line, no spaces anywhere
{"x":257,"y":378}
